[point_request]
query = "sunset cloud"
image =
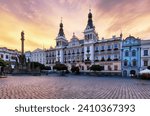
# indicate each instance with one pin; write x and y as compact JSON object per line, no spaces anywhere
{"x":40,"y":20}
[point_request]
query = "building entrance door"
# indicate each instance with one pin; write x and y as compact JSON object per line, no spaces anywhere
{"x":125,"y":73}
{"x":133,"y":73}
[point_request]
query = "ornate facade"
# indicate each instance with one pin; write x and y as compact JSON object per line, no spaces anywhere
{"x":88,"y":51}
{"x":131,"y":56}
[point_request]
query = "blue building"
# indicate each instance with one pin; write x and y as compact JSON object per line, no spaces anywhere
{"x":131,"y":56}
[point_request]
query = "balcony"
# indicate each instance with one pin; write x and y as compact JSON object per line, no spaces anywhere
{"x":78,"y":52}
{"x":73,"y":53}
{"x":116,"y":49}
{"x":109,"y":59}
{"x":87,"y":61}
{"x":102,"y":50}
{"x":97,"y":60}
{"x":103,"y":59}
{"x":96,"y":51}
{"x":116,"y":59}
{"x":109,"y":49}
{"x":68,"y":53}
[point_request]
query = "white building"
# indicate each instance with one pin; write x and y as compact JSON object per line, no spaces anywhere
{"x":9,"y":55}
{"x":145,"y":54}
{"x":28,"y":56}
{"x":37,"y":55}
{"x":86,"y":51}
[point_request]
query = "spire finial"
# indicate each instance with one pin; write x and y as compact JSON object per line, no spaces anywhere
{"x":73,"y":33}
{"x":61,"y":19}
{"x":61,"y":31}
{"x":90,"y":10}
{"x":89,"y":7}
{"x":121,"y":33}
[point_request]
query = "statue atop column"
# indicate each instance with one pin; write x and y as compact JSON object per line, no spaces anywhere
{"x":23,"y":67}
{"x":22,"y":41}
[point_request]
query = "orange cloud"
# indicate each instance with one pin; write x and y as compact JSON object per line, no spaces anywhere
{"x":40,"y":20}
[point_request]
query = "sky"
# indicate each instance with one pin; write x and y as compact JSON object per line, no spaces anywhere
{"x":40,"y":20}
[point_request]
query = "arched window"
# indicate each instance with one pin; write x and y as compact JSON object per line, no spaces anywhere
{"x":126,"y":53}
{"x":126,"y":63}
{"x":134,"y":53}
{"x":134,"y":63}
{"x":88,"y":36}
{"x":57,"y":43}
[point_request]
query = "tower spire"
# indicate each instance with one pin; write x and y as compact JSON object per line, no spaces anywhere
{"x":90,"y":21}
{"x":61,"y":31}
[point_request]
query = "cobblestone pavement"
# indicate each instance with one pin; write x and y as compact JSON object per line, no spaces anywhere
{"x":72,"y":87}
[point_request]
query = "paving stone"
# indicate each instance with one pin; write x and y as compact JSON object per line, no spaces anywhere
{"x":73,"y":87}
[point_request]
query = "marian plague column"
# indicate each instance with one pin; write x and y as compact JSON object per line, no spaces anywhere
{"x":22,"y":43}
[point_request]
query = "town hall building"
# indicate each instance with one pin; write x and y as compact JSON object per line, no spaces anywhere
{"x":87,"y":51}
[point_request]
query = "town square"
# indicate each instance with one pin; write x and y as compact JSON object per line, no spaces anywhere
{"x":91,"y":52}
{"x":73,"y":87}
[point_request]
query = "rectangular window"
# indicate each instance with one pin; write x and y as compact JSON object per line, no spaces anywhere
{"x":88,"y":49}
{"x":115,"y":67}
{"x":2,"y":56}
{"x":102,"y":48}
{"x":145,"y":62}
{"x":109,"y":47}
{"x":82,"y":50}
{"x":115,"y":56}
{"x":96,"y":48}
{"x":6,"y":56}
{"x":109,"y":68}
{"x":115,"y":45}
{"x":145,"y":52}
{"x":88,"y":67}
